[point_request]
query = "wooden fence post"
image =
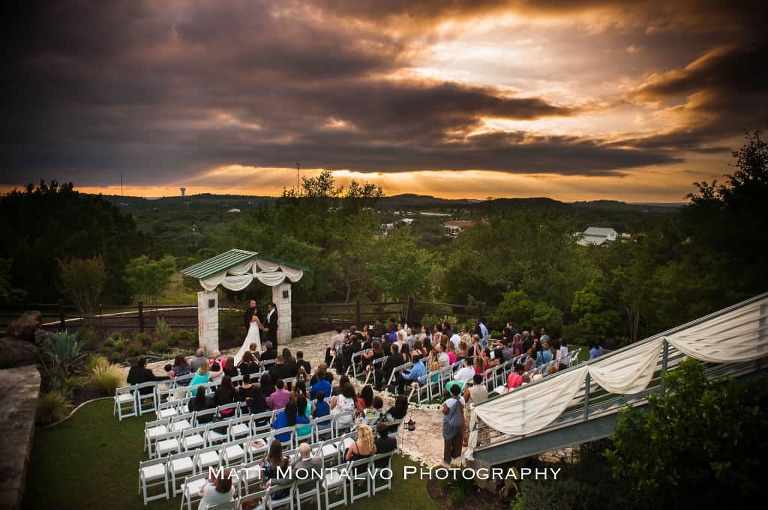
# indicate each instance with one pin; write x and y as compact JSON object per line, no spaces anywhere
{"x":141,"y":316}
{"x":62,"y":316}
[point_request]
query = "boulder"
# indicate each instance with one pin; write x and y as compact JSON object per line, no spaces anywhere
{"x":17,"y":353}
{"x":25,"y":326}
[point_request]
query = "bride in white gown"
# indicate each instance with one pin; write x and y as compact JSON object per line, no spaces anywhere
{"x":253,"y":336}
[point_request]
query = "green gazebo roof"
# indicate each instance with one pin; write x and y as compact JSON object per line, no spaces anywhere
{"x":227,"y":260}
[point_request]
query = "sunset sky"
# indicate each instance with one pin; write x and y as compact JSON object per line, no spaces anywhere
{"x":573,"y":100}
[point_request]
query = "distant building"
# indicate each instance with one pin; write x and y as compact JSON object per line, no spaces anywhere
{"x":183,"y":191}
{"x":407,"y":221}
{"x":384,"y":228}
{"x":453,"y":227}
{"x":597,"y":235}
{"x":234,"y":210}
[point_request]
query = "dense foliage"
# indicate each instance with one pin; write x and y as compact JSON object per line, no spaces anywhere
{"x":48,"y":223}
{"x":698,"y":447}
{"x":521,"y":256}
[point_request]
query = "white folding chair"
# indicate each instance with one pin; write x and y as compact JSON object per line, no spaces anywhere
{"x":153,"y":475}
{"x":287,"y":443}
{"x":284,"y":502}
{"x":180,"y":465}
{"x":190,"y":489}
{"x":359,"y":479}
{"x":152,"y":429}
{"x":125,"y":402}
{"x":335,"y":483}
{"x":323,"y":428}
{"x":193,"y":438}
{"x":168,"y":443}
{"x":234,"y":452}
{"x":381,"y":472}
{"x":146,"y":401}
{"x":240,"y":427}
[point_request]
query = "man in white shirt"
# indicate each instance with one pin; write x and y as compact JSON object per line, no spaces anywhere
{"x":465,"y":373}
{"x":455,"y":339}
{"x":334,"y":347}
{"x":442,"y":357}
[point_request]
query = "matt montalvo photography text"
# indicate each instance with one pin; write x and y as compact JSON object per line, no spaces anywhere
{"x":423,"y":473}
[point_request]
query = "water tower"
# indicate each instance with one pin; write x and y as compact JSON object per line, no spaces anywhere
{"x":183,"y":191}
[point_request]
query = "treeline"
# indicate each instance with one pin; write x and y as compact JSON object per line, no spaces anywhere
{"x":521,"y":257}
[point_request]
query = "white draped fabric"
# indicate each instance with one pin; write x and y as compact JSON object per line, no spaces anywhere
{"x":730,"y":338}
{"x":627,"y":372}
{"x":239,"y":277}
{"x":736,"y":336}
{"x":523,"y":412}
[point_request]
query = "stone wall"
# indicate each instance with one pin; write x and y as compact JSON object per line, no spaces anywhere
{"x":19,"y":391}
{"x":208,"y":320}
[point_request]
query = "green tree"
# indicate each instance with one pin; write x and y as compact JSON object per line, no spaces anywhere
{"x":7,"y":293}
{"x":83,"y":281}
{"x":401,"y":268}
{"x":149,"y":278}
{"x":595,"y":319}
{"x":51,"y":222}
{"x":699,"y":447}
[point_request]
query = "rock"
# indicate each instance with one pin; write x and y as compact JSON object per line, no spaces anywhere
{"x":17,"y":353}
{"x":25,"y":326}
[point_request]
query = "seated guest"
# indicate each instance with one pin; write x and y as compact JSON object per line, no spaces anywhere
{"x":290,"y":362}
{"x":320,"y":408}
{"x":320,"y":383}
{"x":334,"y":347}
{"x":256,"y":402}
{"x":217,"y":491}
{"x":248,"y":365}
{"x":345,"y":402}
{"x":343,"y":380}
{"x":269,"y":352}
{"x":280,"y":370}
{"x":225,"y":394}
{"x":267,"y":385}
{"x":273,"y":463}
{"x":288,"y":417}
{"x":413,"y":376}
{"x":515,"y":378}
{"x":399,"y":410}
{"x":306,"y":469}
{"x":477,"y":393}
{"x":201,"y":402}
{"x":394,"y":360}
{"x":280,"y":397}
{"x":181,"y":367}
{"x":139,"y":373}
{"x":364,"y":447}
{"x":465,"y":373}
{"x":202,"y":376}
{"x":384,"y":443}
{"x":365,"y":399}
{"x":374,"y":413}
{"x":229,"y":367}
{"x":198,"y":360}
{"x":303,"y":409}
{"x":246,"y":389}
{"x":594,"y":349}
{"x":301,"y":363}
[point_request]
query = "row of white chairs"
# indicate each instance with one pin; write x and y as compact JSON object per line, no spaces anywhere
{"x":162,"y":439}
{"x":341,"y":484}
{"x":167,"y":470}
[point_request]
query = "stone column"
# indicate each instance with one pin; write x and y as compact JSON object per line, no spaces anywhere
{"x":208,"y":320}
{"x":281,"y":296}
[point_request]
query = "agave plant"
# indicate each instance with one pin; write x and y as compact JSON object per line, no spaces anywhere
{"x":62,"y":360}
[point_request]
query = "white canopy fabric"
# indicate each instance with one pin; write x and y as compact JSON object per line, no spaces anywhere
{"x":239,"y":277}
{"x":736,"y":336}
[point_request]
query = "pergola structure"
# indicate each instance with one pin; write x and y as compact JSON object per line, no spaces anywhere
{"x":235,"y":270}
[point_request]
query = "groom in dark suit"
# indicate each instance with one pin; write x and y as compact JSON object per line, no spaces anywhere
{"x":272,"y":324}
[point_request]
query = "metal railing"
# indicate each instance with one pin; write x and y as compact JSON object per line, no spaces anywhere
{"x":594,"y":402}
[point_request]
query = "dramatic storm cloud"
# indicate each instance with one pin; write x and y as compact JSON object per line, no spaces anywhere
{"x":565,"y":98}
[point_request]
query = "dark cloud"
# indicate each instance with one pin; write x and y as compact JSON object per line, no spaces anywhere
{"x":162,"y":90}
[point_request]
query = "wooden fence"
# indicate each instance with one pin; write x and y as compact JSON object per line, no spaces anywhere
{"x":308,"y":318}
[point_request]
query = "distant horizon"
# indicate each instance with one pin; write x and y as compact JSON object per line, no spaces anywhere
{"x":578,"y":101}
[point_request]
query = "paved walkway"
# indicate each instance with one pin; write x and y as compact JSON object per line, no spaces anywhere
{"x":19,"y":389}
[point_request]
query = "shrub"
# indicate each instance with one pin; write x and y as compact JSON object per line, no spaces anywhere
{"x":160,"y":346}
{"x":172,"y":340}
{"x":106,"y":377}
{"x":136,"y":351}
{"x":162,"y":329}
{"x":144,"y":339}
{"x":115,"y":340}
{"x":52,"y":407}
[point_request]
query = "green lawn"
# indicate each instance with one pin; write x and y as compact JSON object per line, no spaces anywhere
{"x":91,"y":461}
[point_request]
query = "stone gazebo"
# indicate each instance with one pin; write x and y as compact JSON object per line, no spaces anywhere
{"x":235,"y":270}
